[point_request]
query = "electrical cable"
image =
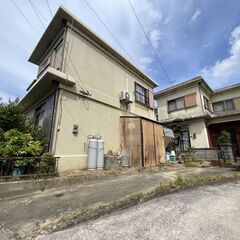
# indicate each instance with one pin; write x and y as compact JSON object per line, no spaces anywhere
{"x":150,"y":43}
{"x":49,"y":8}
{"x":21,"y":12}
{"x":36,"y":13}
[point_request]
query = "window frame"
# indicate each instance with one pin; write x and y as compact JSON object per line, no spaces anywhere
{"x":223,"y":102}
{"x":146,"y":102}
{"x":175,"y":100}
{"x":207,"y":103}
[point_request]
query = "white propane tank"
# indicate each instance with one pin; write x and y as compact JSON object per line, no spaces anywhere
{"x":92,"y":154}
{"x":100,"y":154}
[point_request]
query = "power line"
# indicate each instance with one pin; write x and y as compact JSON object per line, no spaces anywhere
{"x":154,"y":51}
{"x":34,"y":29}
{"x":46,"y":20}
{"x":49,"y":8}
{"x":36,"y":13}
{"x":107,"y":28}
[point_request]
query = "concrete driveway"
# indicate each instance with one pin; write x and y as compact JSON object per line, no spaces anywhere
{"x":211,"y":212}
{"x":21,"y":213}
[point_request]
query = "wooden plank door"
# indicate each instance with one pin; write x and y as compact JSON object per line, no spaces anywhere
{"x":131,"y":140}
{"x":159,"y":143}
{"x":149,"y":152}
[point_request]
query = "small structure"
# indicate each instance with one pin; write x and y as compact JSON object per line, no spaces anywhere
{"x":142,"y":141}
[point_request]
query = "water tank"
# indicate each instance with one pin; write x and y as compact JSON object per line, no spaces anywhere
{"x":100,"y":154}
{"x":92,"y":154}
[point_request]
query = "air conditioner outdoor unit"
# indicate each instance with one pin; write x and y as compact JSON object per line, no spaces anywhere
{"x":125,"y":97}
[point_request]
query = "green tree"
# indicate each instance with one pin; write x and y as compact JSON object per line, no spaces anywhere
{"x":11,"y":116}
{"x":179,"y":128}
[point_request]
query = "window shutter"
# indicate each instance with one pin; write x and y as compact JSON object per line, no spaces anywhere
{"x":237,"y":103}
{"x":151,"y":99}
{"x":190,"y":100}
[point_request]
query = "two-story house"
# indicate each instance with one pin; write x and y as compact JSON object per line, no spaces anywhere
{"x":83,"y":87}
{"x":206,"y":112}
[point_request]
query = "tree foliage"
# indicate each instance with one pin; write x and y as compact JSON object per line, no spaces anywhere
{"x":224,"y":137}
{"x":17,"y":144}
{"x":179,"y":128}
{"x":18,"y":135}
{"x":11,"y":116}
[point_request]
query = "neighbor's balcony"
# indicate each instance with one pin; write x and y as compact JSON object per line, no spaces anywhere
{"x":44,"y":84}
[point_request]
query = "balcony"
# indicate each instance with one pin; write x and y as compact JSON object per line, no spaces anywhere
{"x":46,"y":82}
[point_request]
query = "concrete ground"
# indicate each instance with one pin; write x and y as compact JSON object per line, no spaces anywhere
{"x":22,"y":213}
{"x":210,"y":212}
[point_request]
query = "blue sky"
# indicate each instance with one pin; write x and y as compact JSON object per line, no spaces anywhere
{"x":192,"y":38}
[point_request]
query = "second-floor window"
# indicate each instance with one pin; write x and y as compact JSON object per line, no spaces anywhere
{"x":176,"y":104}
{"x":53,"y":59}
{"x":141,"y":94}
{"x":226,"y":105}
{"x":144,"y":96}
{"x":187,"y":101}
{"x":206,"y":103}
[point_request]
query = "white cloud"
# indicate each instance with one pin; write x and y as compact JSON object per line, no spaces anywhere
{"x":195,"y":16}
{"x":145,"y":62}
{"x":155,"y":37}
{"x":222,"y":71}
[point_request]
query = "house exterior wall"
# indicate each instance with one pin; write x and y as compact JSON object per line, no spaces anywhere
{"x":101,"y":74}
{"x":93,"y":75}
{"x":226,"y":95}
{"x":198,"y":127}
{"x":162,"y":103}
{"x":92,"y":118}
{"x":99,"y":113}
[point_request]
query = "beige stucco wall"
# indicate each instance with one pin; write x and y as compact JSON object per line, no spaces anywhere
{"x":199,"y":128}
{"x":102,"y":76}
{"x":169,"y":116}
{"x":99,"y":113}
{"x":226,"y":95}
{"x":92,"y":118}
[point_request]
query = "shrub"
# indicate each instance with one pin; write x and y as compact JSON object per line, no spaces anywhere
{"x":19,"y":144}
{"x":225,"y":137}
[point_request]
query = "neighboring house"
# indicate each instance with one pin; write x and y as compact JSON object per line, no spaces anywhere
{"x":205,"y":111}
{"x":83,"y":87}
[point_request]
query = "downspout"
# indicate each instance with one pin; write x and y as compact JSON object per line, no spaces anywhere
{"x":53,"y":136}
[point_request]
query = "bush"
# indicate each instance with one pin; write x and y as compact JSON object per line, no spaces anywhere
{"x":225,"y":137}
{"x":16,"y":144}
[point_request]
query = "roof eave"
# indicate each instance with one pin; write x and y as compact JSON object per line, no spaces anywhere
{"x":55,"y":27}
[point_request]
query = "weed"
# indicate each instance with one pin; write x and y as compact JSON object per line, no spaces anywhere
{"x":179,"y":180}
{"x":191,"y":164}
{"x":16,"y":236}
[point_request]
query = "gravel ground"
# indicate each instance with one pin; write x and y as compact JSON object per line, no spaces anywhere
{"x":211,"y":212}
